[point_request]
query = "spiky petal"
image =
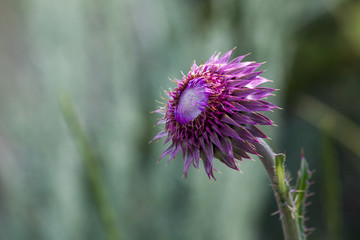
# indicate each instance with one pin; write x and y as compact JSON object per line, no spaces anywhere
{"x":214,"y":112}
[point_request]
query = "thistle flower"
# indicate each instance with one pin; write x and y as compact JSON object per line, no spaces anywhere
{"x":213,"y":113}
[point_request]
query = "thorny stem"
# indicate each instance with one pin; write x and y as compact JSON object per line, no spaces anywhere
{"x":289,"y":221}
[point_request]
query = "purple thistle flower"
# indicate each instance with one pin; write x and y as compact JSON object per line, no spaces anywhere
{"x":213,"y":113}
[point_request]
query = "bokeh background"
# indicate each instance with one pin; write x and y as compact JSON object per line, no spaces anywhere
{"x":113,"y":58}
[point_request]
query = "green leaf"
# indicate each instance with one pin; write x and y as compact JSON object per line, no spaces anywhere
{"x":301,"y":192}
{"x":282,"y":184}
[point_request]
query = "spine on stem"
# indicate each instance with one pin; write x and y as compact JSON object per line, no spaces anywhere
{"x":290,"y":201}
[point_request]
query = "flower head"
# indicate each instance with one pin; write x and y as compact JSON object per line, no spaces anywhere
{"x":213,"y":113}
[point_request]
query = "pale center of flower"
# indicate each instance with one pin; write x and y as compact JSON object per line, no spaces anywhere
{"x":192,"y":102}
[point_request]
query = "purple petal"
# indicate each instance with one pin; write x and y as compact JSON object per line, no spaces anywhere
{"x":250,"y":68}
{"x":188,"y":160}
{"x":240,"y":107}
{"x":244,"y":92}
{"x":230,"y":132}
{"x":202,"y":143}
{"x":194,"y":66}
{"x":240,"y":94}
{"x":239,"y":154}
{"x":211,"y":59}
{"x":159,"y":111}
{"x":225,"y":57}
{"x":260,"y":93}
{"x":229,"y":120}
{"x":209,"y":151}
{"x":215,"y":128}
{"x":268,"y":104}
{"x":216,"y":120}
{"x":167,"y":140}
{"x":214,"y":138}
{"x":241,"y":67}
{"x":174,"y":152}
{"x":238,"y":83}
{"x":242,"y":118}
{"x":160,"y":135}
{"x":244,"y":146}
{"x":226,"y":146}
{"x":206,"y":138}
{"x":251,"y":76}
{"x":196,"y":153}
{"x":260,"y":119}
{"x":216,"y":57}
{"x":256,"y":131}
{"x":208,"y":165}
{"x":254,"y":105}
{"x":167,"y":151}
{"x":184,"y":147}
{"x":257,"y":81}
{"x":238,"y":59}
{"x":227,"y":160}
{"x":245,"y":134}
{"x":161,"y":121}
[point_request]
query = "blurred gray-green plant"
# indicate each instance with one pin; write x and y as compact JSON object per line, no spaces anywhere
{"x":93,"y":171}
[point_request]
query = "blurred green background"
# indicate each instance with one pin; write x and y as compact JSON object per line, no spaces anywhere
{"x":113,"y":57}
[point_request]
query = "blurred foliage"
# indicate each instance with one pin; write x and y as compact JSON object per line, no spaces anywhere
{"x":113,"y":57}
{"x":91,"y":165}
{"x":331,"y":191}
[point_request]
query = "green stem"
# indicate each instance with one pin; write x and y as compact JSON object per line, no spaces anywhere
{"x":284,"y":201}
{"x":92,"y":170}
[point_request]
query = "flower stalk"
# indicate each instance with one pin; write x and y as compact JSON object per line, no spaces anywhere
{"x":274,"y":165}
